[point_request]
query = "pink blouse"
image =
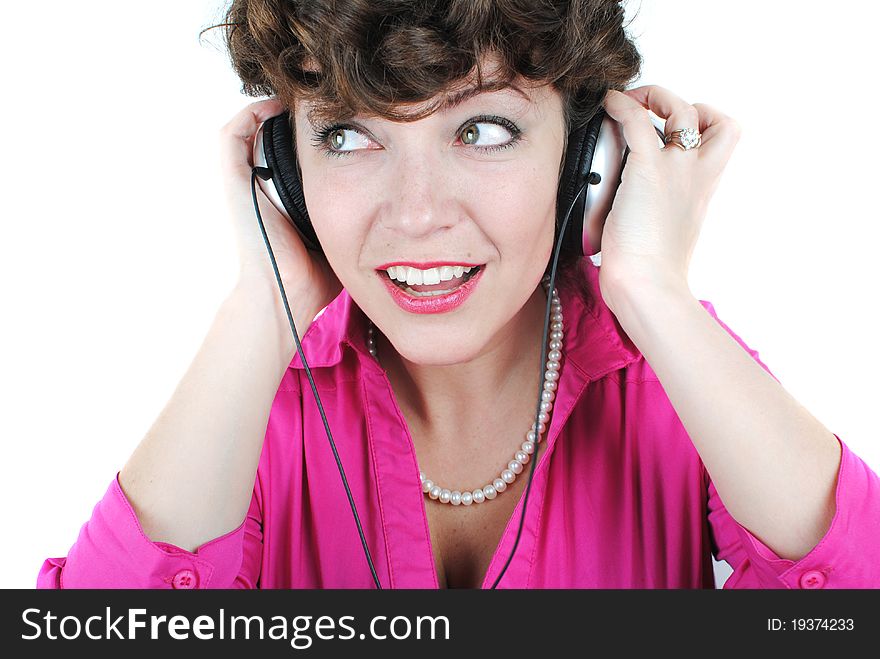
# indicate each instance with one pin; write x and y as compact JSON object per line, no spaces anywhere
{"x":620,"y":497}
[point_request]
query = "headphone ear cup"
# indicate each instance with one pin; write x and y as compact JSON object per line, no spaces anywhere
{"x":575,"y":171}
{"x":279,"y":145}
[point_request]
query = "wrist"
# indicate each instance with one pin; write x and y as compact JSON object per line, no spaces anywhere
{"x":260,"y":300}
{"x":640,"y":292}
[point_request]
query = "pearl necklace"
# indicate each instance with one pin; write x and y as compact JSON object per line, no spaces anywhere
{"x":515,"y":467}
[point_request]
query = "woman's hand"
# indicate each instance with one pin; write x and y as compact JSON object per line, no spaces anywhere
{"x":306,"y":275}
{"x":655,"y":220}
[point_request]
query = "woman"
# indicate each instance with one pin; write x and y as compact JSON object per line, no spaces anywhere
{"x":664,"y":439}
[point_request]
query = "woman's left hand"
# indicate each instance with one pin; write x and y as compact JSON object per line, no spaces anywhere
{"x":655,"y":220}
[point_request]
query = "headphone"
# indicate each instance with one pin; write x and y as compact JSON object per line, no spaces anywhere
{"x":594,"y":159}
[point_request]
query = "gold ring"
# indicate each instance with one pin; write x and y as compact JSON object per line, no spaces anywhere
{"x":684,"y":138}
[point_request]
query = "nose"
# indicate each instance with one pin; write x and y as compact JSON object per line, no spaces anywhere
{"x":420,"y":195}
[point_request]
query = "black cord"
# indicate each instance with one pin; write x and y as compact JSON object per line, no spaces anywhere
{"x":534,"y":460}
{"x":265,"y":174}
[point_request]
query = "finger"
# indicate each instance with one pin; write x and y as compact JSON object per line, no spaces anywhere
{"x":638,"y":130}
{"x":720,"y":132}
{"x":676,"y":111}
{"x":237,"y":136}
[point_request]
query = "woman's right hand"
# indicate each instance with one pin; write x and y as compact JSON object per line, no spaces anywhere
{"x":306,"y":275}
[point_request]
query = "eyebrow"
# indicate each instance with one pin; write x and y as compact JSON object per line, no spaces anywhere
{"x":460,"y":97}
{"x":453,"y":100}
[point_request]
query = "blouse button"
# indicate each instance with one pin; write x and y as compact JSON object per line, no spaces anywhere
{"x":184,"y":579}
{"x":812,"y":579}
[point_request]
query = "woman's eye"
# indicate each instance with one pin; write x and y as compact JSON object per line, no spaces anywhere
{"x":485,"y":134}
{"x":345,"y":139}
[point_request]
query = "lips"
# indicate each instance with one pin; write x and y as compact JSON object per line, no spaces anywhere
{"x":432,"y":303}
{"x":447,"y":285}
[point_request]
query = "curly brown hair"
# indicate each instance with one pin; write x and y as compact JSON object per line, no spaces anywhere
{"x":370,"y":57}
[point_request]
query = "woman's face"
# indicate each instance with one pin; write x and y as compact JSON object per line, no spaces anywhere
{"x":472,"y":184}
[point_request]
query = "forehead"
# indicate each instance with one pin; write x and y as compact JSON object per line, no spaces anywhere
{"x":514,"y":98}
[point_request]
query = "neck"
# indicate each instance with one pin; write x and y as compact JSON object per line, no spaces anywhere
{"x":452,"y":397}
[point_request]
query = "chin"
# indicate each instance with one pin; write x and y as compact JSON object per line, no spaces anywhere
{"x":435,"y":353}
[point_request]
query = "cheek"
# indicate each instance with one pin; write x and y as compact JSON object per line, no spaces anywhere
{"x":523,"y":208}
{"x":335,"y":213}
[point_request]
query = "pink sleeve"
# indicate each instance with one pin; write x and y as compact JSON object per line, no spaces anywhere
{"x":112,"y":551}
{"x":843,"y":558}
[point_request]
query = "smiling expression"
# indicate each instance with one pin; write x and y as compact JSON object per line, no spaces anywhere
{"x":470,"y":185}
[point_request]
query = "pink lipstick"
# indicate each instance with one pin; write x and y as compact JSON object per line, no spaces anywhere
{"x":433,"y":303}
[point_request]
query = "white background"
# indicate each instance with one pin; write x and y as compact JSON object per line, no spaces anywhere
{"x":115,"y":248}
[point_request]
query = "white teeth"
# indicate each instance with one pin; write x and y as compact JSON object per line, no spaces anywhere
{"x":412,"y":276}
{"x":431,"y":276}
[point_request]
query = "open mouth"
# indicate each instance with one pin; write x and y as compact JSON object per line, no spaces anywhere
{"x":433,"y":290}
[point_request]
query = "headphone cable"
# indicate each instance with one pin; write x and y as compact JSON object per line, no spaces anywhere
{"x":534,"y":460}
{"x":265,"y":173}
